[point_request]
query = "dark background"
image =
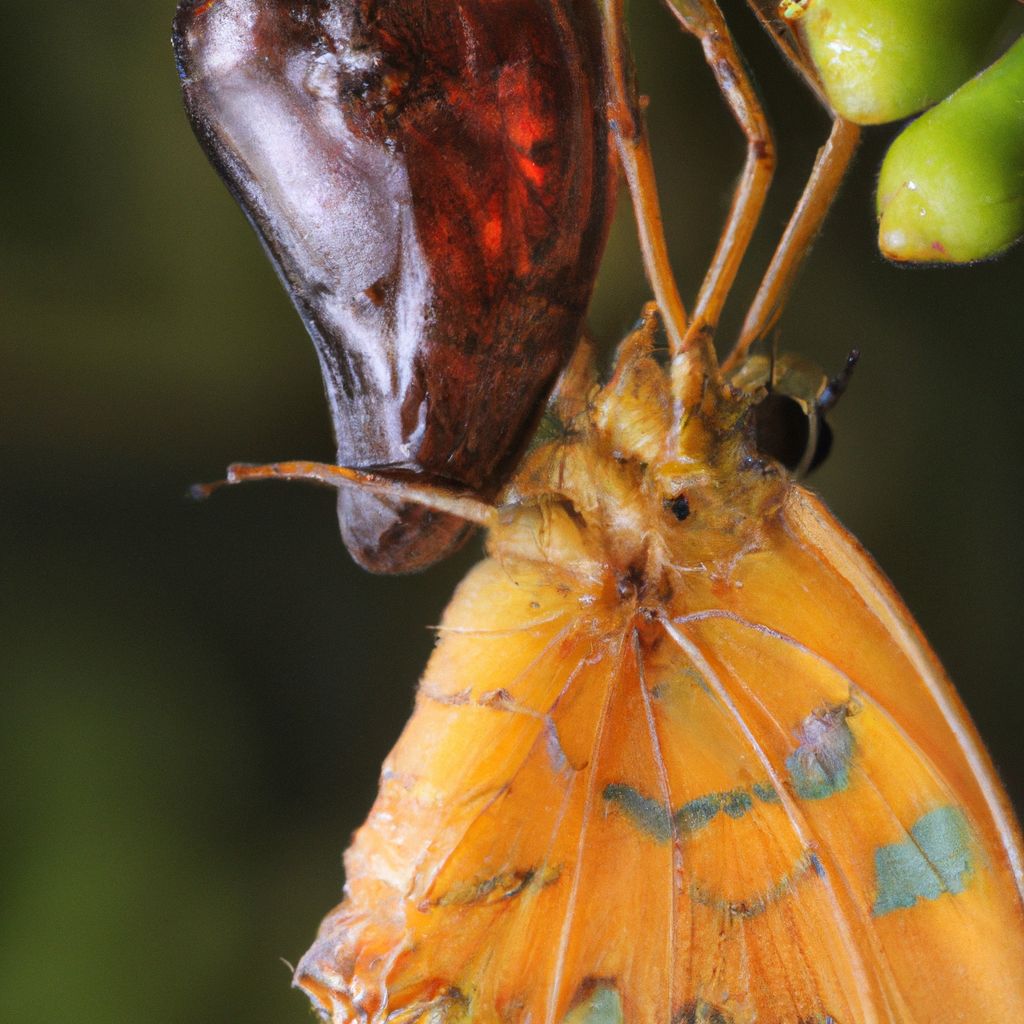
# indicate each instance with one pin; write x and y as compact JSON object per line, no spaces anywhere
{"x":196,"y":698}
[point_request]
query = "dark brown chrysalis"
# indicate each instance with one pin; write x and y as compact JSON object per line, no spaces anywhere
{"x":433,"y":183}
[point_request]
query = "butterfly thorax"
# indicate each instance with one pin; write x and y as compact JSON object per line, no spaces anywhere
{"x":634,"y":498}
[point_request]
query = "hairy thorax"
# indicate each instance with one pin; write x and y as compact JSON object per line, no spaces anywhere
{"x":629,"y":507}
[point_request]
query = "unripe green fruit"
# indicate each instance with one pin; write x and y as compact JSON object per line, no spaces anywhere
{"x":952,"y":184}
{"x":882,"y":60}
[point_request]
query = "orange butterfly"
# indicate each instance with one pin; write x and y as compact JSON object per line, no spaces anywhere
{"x":670,"y":767}
{"x":681,"y":754}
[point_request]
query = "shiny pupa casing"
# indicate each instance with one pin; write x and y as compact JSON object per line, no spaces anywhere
{"x":433,"y":183}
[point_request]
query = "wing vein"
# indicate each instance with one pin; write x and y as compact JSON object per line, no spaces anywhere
{"x":866,"y":992}
{"x":501,"y":790}
{"x":662,"y":769}
{"x":525,"y":627}
{"x":570,"y":909}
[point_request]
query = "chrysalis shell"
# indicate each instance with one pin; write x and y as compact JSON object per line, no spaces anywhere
{"x":432,"y":182}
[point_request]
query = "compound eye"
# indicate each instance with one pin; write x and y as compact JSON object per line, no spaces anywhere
{"x":782,"y":429}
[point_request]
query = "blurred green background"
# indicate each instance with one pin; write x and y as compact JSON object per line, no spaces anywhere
{"x":196,"y":698}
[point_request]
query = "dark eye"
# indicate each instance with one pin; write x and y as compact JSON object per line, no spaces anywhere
{"x":795,"y":432}
{"x":679,"y":507}
{"x":781,"y":429}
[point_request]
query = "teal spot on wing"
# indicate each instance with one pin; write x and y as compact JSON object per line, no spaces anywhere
{"x":496,"y":888}
{"x":765,"y":792}
{"x":694,"y":678}
{"x":695,"y":814}
{"x":820,"y":766}
{"x":602,"y":1006}
{"x":737,"y":803}
{"x":812,"y":782}
{"x":748,"y":908}
{"x":654,"y":818}
{"x":675,"y":689}
{"x":936,"y":859}
{"x":649,"y":815}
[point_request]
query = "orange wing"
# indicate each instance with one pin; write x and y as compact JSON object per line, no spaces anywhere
{"x":677,"y":771}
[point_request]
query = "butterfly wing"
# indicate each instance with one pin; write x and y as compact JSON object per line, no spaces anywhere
{"x":876,"y":771}
{"x":759,"y":802}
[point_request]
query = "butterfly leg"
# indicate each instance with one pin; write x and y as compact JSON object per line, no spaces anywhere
{"x":803,"y":227}
{"x":694,"y":361}
{"x":634,"y":152}
{"x":704,"y":20}
{"x":821,"y":189}
{"x":434,"y":496}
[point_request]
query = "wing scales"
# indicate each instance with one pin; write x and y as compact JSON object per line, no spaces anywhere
{"x":697,"y":816}
{"x":794,"y":912}
{"x":907,"y":826}
{"x":841,"y":555}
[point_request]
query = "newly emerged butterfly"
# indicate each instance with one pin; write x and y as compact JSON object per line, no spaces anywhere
{"x":432,"y":182}
{"x":681,"y":755}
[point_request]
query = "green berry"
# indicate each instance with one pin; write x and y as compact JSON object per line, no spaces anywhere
{"x":952,"y":184}
{"x":882,"y":60}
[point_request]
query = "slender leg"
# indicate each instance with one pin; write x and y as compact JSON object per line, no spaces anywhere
{"x":441,"y":499}
{"x":634,"y":153}
{"x":704,"y":19}
{"x":693,"y":356}
{"x":821,"y":189}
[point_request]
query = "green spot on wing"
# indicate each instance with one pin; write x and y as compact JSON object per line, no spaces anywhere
{"x":695,"y":814}
{"x":701,"y":1012}
{"x":505,"y":886}
{"x":649,"y":815}
{"x":674,"y":690}
{"x":602,"y":1006}
{"x":765,"y":793}
{"x":736,"y":803}
{"x":811,"y":782}
{"x":692,"y":676}
{"x":936,"y":859}
{"x":654,"y":819}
